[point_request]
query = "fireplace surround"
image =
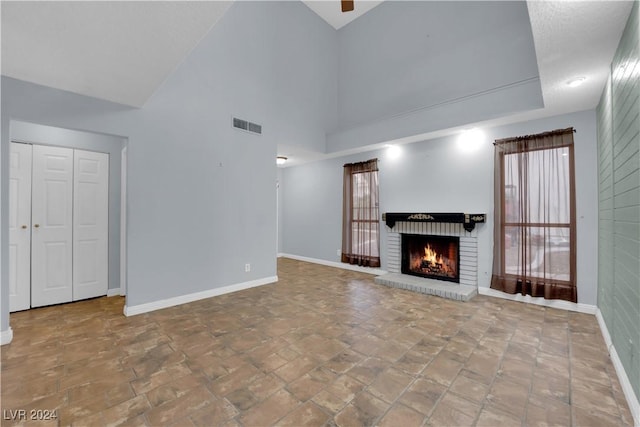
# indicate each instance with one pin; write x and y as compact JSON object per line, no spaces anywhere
{"x":460,"y":226}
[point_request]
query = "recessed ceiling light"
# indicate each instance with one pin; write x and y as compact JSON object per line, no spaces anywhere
{"x":576,"y":82}
{"x":281,"y":160}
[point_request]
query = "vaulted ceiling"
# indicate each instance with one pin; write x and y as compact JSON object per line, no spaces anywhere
{"x":120,"y":51}
{"x":123,"y":51}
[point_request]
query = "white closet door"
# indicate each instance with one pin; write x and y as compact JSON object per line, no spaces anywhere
{"x":90,"y":224}
{"x":19,"y":226}
{"x":52,"y":226}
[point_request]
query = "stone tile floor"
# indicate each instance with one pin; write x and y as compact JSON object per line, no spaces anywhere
{"x":323,"y":346}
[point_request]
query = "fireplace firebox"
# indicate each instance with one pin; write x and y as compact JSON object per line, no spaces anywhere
{"x":434,"y":257}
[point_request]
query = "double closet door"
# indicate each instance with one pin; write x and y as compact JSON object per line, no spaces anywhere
{"x":58,"y":225}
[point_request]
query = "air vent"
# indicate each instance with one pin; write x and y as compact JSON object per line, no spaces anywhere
{"x":247,"y":126}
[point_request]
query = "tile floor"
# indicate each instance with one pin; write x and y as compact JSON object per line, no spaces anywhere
{"x":322,"y":347}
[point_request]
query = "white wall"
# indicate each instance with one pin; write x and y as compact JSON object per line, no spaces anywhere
{"x":279,"y":211}
{"x":438,"y":176}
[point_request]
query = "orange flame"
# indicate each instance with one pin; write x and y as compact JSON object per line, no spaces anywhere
{"x":432,"y":258}
{"x":431,"y":255}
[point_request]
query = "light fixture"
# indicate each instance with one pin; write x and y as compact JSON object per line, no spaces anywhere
{"x":393,"y":151}
{"x":281,"y":160}
{"x":471,"y":140}
{"x":576,"y":82}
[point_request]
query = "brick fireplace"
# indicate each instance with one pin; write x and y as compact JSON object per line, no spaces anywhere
{"x":465,"y":285}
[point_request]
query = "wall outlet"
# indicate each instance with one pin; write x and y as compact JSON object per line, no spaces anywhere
{"x":247,"y":268}
{"x":338,"y":252}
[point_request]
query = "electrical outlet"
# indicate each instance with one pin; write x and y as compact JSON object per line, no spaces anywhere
{"x":338,"y":252}
{"x":247,"y":268}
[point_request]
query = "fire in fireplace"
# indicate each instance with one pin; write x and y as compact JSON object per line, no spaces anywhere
{"x":435,"y":257}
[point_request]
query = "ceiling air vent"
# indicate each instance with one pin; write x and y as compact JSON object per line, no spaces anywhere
{"x":247,"y":126}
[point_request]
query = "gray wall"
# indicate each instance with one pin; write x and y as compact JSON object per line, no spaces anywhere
{"x":619,"y":201}
{"x":279,"y":210}
{"x":112,"y":145}
{"x":402,"y":72}
{"x":437,"y":176}
{"x":201,"y":195}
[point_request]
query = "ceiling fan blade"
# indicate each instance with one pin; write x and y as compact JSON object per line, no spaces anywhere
{"x":347,"y":5}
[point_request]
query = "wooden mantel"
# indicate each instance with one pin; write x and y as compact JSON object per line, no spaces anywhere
{"x":468,"y":221}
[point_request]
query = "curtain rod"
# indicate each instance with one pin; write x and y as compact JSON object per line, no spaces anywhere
{"x":538,"y":135}
{"x":361,"y":163}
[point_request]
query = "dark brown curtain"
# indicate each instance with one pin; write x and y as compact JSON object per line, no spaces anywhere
{"x":360,"y":219}
{"x":535,"y":225}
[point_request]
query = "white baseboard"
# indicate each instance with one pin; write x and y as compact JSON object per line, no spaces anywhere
{"x":632,"y":399}
{"x":113,"y":292}
{"x":6,"y":336}
{"x":344,"y":266}
{"x":553,"y":303}
{"x":183,"y":299}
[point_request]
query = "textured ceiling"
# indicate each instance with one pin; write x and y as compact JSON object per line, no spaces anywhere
{"x":575,"y":39}
{"x":120,"y":51}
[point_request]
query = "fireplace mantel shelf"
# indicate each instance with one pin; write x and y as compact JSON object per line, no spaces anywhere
{"x":468,"y":221}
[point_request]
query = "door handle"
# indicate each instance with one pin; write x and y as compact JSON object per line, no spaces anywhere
{"x":36,"y":225}
{"x":24,"y":227}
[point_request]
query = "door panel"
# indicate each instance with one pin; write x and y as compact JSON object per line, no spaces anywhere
{"x":52,"y":226}
{"x":55,"y":255}
{"x":91,"y":224}
{"x":56,"y":203}
{"x":19,"y":226}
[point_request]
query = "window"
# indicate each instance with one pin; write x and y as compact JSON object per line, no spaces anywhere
{"x":534,"y":237}
{"x":360,"y":214}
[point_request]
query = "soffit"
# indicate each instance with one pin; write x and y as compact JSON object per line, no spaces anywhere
{"x":571,"y":39}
